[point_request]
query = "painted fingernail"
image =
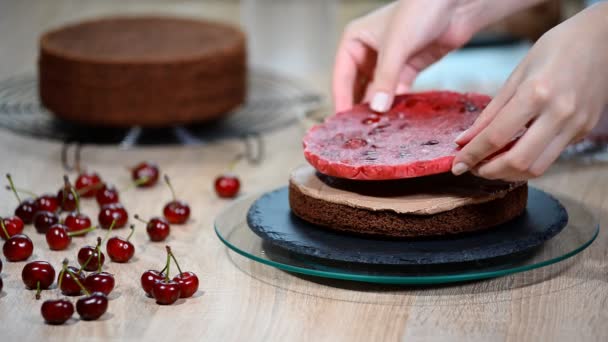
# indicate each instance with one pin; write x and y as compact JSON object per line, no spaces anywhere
{"x":380,"y":102}
{"x":460,"y":168}
{"x":462,"y":134}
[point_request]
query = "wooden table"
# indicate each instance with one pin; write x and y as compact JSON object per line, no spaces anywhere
{"x":242,"y":300}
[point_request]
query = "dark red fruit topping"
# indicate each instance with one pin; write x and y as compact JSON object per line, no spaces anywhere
{"x":176,"y":212}
{"x":88,"y":183}
{"x":145,"y":174}
{"x":91,"y":258}
{"x":14,"y":225}
{"x":227,"y":186}
{"x":47,"y":202}
{"x":43,"y":220}
{"x":57,"y":311}
{"x":38,"y":275}
{"x":100,"y":282}
{"x":107,"y":195}
{"x":157,"y":228}
{"x":113,"y":212}
{"x":18,"y":248}
{"x":149,"y":278}
{"x":119,"y":249}
{"x":92,"y":306}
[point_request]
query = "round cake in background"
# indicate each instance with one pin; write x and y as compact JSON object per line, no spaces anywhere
{"x":142,"y":71}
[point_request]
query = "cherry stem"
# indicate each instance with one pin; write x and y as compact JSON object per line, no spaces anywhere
{"x":4,"y":229}
{"x":23,"y":191}
{"x":139,"y":219}
{"x":132,"y":227}
{"x":168,"y":182}
{"x":38,"y":290}
{"x":168,"y":265}
{"x":174,"y":259}
{"x":234,"y":162}
{"x":98,"y":249}
{"x":82,"y":231}
{"x":85,"y":263}
{"x":109,"y":231}
{"x":64,"y":266}
{"x":84,"y":289}
{"x":66,"y":187}
{"x":137,"y":182}
{"x":76,"y":198}
{"x":12,"y":186}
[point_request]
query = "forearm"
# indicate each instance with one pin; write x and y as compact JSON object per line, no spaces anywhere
{"x":487,"y":12}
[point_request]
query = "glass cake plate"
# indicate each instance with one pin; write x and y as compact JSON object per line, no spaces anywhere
{"x":581,"y":230}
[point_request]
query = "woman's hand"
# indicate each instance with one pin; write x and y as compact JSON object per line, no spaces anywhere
{"x":382,"y":53}
{"x":554,"y":97}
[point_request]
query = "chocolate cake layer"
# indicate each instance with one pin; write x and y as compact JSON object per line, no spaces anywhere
{"x":358,"y":220}
{"x":147,"y":71}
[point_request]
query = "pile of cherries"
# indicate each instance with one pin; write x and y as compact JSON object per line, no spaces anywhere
{"x":59,"y":218}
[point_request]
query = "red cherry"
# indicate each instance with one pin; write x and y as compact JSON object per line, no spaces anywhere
{"x":166,"y":292}
{"x":26,"y":211}
{"x":47,"y":202}
{"x":68,"y":285}
{"x":38,"y":275}
{"x":227,"y":186}
{"x":113,"y":212}
{"x":91,"y":258}
{"x":176,"y":212}
{"x":145,"y":174}
{"x":44,"y":220}
{"x":188,"y":284}
{"x":100,"y":282}
{"x":92,"y":306}
{"x":157,"y":228}
{"x":57,"y":237}
{"x":107,"y":195}
{"x":119,"y":249}
{"x":13,"y":225}
{"x":18,"y":248}
{"x":149,"y":278}
{"x":87,"y":184}
{"x":76,"y":222}
{"x":65,"y":196}
{"x":57,"y":311}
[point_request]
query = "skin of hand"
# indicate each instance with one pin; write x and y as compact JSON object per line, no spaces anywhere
{"x":553,"y":98}
{"x":381,"y":53}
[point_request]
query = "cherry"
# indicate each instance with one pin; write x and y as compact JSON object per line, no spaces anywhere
{"x":100,"y":282}
{"x":87,"y":184}
{"x":13,"y":225}
{"x":145,"y":174}
{"x":38,"y":275}
{"x":26,"y":208}
{"x":227,"y":186}
{"x":91,"y":258}
{"x":107,"y":195}
{"x":176,"y":211}
{"x":47,"y":202}
{"x":68,"y":280}
{"x":66,"y":196}
{"x":149,"y":278}
{"x":157,"y":228}
{"x":119,"y":249}
{"x":58,"y":237}
{"x":187,"y":281}
{"x":57,"y":311}
{"x":18,"y":247}
{"x":166,"y":291}
{"x":113,"y":212}
{"x":92,"y":306}
{"x":43,"y":220}
{"x":76,"y":222}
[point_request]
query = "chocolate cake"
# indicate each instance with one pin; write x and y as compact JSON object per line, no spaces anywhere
{"x":426,"y":206}
{"x":147,"y":71}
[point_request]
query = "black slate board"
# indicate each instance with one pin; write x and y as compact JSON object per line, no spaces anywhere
{"x":270,"y":218}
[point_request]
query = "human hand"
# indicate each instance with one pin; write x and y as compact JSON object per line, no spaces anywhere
{"x":381,"y":53}
{"x":554,"y":97}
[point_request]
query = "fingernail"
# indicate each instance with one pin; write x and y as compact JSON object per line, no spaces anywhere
{"x":462,"y":134}
{"x":460,"y":168}
{"x":380,"y":102}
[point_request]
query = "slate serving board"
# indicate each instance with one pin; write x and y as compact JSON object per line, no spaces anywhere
{"x":270,"y":218}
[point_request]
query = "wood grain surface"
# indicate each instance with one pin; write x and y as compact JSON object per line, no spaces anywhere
{"x":240,"y":300}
